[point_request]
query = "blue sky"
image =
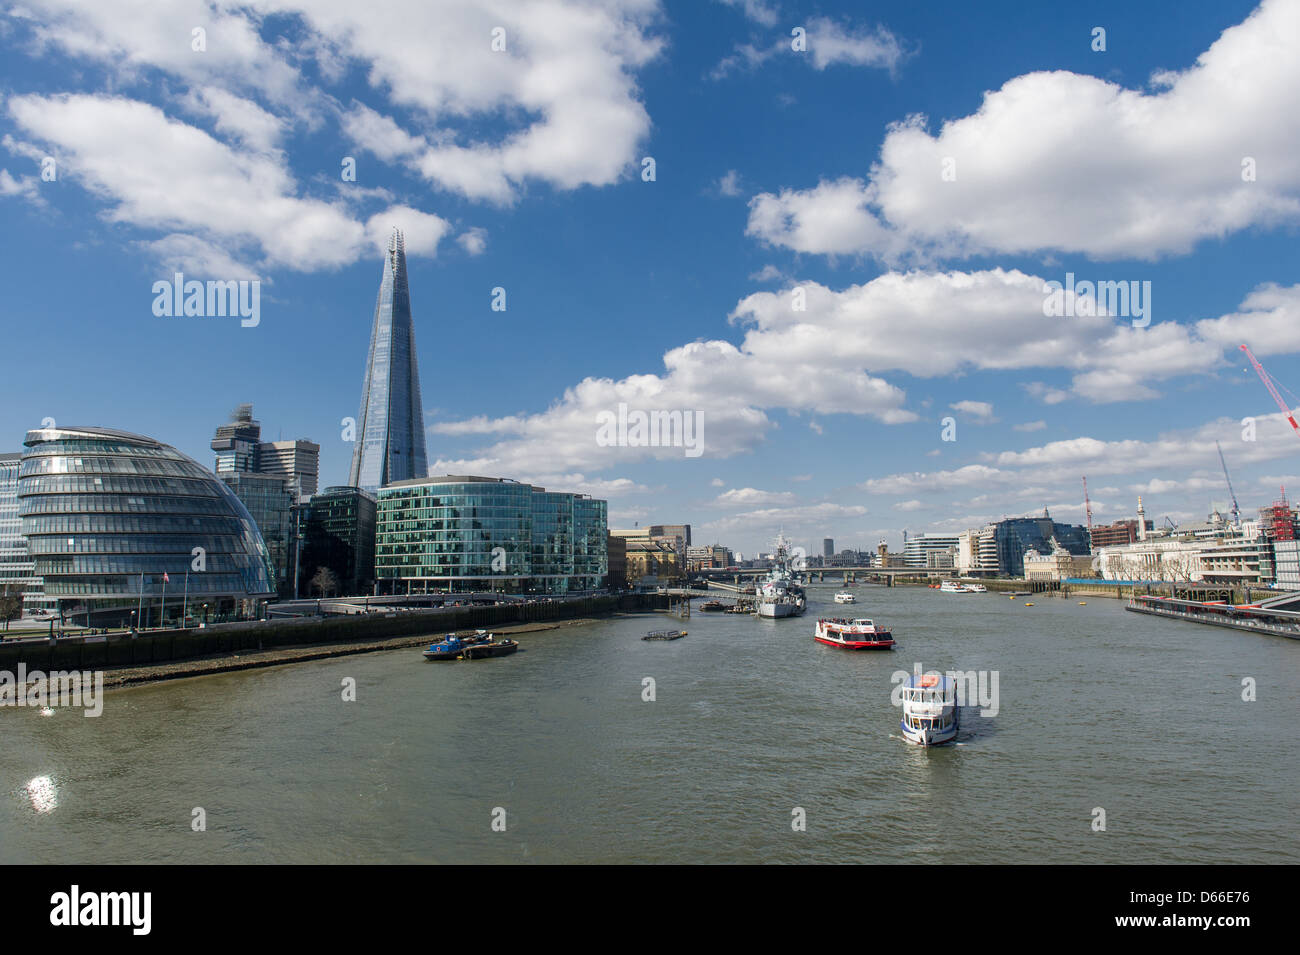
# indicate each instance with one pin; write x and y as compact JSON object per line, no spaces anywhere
{"x":775,"y":170}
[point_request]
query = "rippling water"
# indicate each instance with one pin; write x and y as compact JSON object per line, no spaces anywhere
{"x":1098,"y":708}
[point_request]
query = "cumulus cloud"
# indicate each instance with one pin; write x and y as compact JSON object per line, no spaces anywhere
{"x":752,"y":497}
{"x":980,"y":411}
{"x":161,"y":174}
{"x":1170,"y":175}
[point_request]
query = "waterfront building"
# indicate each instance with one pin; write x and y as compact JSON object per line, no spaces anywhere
{"x":16,"y":565}
{"x":917,"y":550}
{"x":338,"y":531}
{"x":1286,"y":564}
{"x":828,"y":547}
{"x":616,"y":578}
{"x":465,"y":533}
{"x":652,"y":563}
{"x":390,"y":424}
{"x":977,"y":552}
{"x":1015,"y":536}
{"x":1057,"y":565}
{"x":124,"y":528}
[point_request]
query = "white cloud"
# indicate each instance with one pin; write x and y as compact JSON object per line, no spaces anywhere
{"x":908,"y":506}
{"x":760,"y":11}
{"x":980,"y":411}
{"x":752,"y":497}
{"x":473,"y":241}
{"x":1023,"y":183}
{"x":1268,"y":321}
{"x":729,"y":185}
{"x":1030,"y":426}
{"x":831,"y":43}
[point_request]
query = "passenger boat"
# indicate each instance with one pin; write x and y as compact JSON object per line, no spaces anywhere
{"x":844,"y":597}
{"x":952,"y":587}
{"x":713,"y":606}
{"x":860,"y":634}
{"x":930,"y":712}
{"x":977,"y":588}
{"x":489,"y":648}
{"x":664,"y":635}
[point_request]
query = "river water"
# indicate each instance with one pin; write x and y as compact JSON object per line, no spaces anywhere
{"x":1097,"y":709}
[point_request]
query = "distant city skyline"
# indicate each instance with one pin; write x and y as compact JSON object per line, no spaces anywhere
{"x":838,"y":259}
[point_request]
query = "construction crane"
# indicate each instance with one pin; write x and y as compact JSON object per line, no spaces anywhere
{"x":1236,"y":511}
{"x":1087,"y":504}
{"x":1272,"y":388}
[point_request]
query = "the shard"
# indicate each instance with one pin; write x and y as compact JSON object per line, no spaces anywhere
{"x":390,"y":426}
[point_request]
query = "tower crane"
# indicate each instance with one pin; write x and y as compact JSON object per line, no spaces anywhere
{"x":1272,"y":388}
{"x":1087,"y":504}
{"x":1236,"y":511}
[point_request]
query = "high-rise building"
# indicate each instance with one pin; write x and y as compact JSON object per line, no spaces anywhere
{"x":266,"y":477}
{"x":236,"y":441}
{"x":298,"y":460}
{"x":390,"y":424}
{"x":917,"y":551}
{"x":126,"y":528}
{"x":828,"y":547}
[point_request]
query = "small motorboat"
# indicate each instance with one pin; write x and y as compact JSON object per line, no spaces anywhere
{"x":844,"y":597}
{"x":664,"y":635}
{"x":490,"y":648}
{"x":450,"y":648}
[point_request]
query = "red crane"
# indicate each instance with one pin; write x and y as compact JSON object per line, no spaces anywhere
{"x":1272,"y":389}
{"x":1087,"y":504}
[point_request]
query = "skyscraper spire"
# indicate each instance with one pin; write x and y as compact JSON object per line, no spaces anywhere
{"x":390,"y":425}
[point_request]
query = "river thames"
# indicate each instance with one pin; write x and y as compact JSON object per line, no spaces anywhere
{"x":1098,"y":709}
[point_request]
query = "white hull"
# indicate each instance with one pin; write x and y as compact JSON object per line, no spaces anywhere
{"x":928,"y":737}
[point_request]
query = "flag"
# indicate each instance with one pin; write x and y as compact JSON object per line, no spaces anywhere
{"x":165,"y":577}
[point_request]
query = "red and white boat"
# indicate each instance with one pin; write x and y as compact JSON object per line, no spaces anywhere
{"x":860,"y":634}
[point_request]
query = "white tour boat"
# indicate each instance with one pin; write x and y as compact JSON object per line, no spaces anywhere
{"x":977,"y":588}
{"x":844,"y":597}
{"x":952,"y":587}
{"x":860,"y":634}
{"x":930,"y":714}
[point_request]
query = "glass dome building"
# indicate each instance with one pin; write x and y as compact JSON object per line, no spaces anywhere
{"x":118,"y":523}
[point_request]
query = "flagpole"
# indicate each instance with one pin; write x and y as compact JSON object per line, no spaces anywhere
{"x":185,"y":602}
{"x":139,"y":607}
{"x":162,"y":603}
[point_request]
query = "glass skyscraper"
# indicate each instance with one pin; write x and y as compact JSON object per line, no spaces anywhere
{"x":390,"y":425}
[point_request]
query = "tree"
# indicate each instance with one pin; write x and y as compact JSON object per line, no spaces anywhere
{"x":325,"y":582}
{"x":11,"y":603}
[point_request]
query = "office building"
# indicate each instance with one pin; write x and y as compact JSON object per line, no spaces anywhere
{"x":1017,"y":535}
{"x":465,"y":533}
{"x":299,"y":461}
{"x":390,"y":424}
{"x":338,"y":530}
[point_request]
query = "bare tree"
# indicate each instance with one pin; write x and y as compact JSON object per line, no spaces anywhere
{"x":325,"y":582}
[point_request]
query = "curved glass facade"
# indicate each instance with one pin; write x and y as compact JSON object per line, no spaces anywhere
{"x":472,"y":533}
{"x":106,"y":514}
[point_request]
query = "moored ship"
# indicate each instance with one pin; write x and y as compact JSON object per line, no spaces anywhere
{"x":781,"y":594}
